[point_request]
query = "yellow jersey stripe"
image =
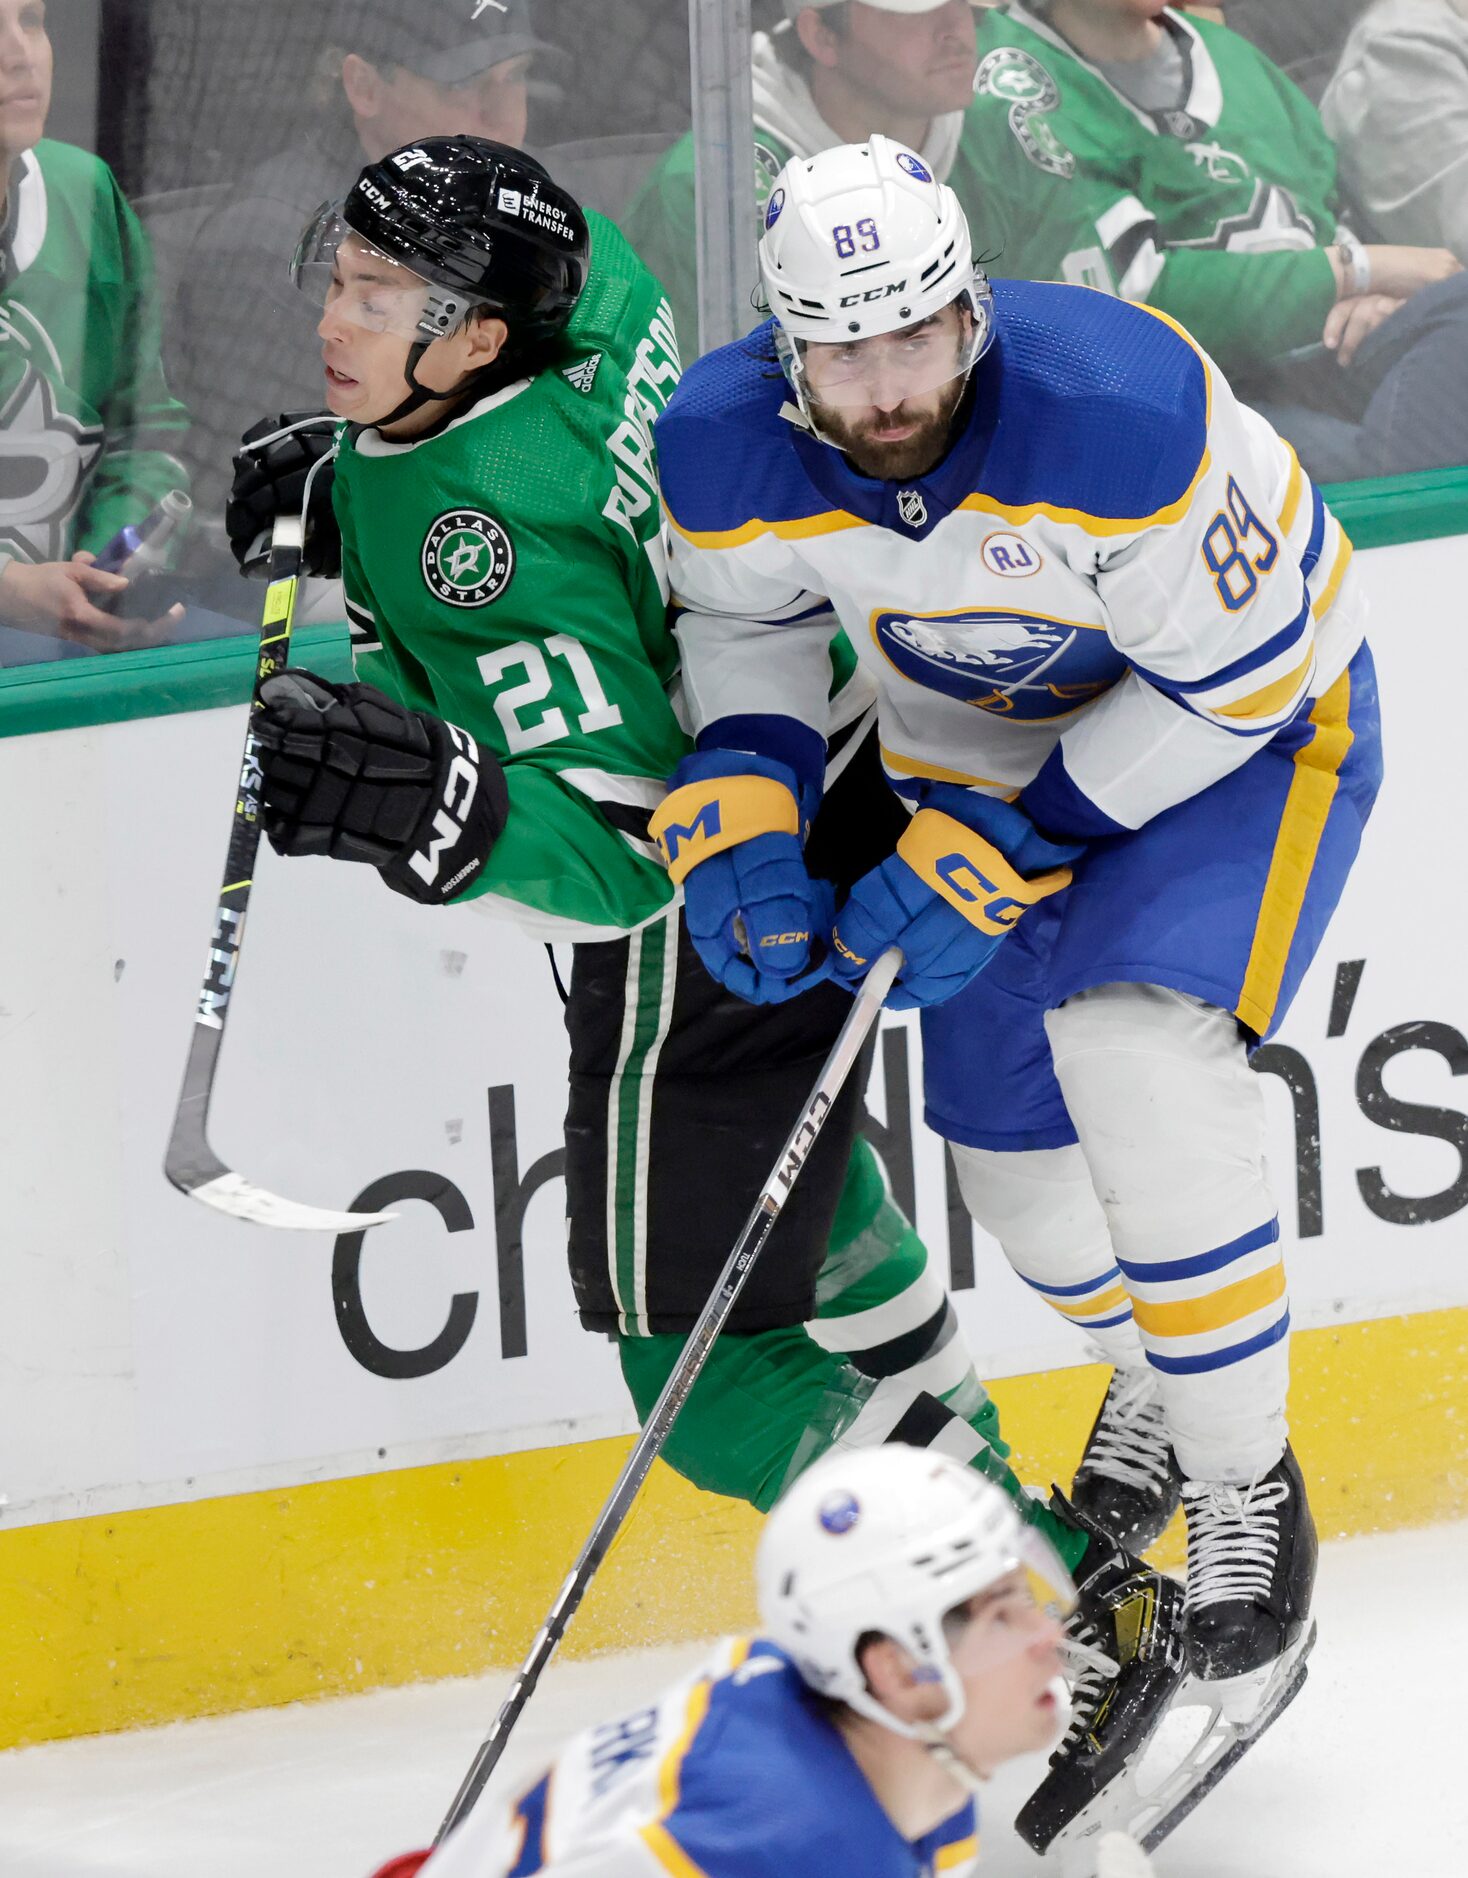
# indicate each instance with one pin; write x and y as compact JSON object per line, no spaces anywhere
{"x":1093,"y":524}
{"x":658,"y":1840}
{"x":1269,"y":698}
{"x":669,"y":1854}
{"x":934,"y":772}
{"x":671,"y":1771}
{"x":1194,"y":1317}
{"x":1337,"y":574}
{"x":1302,"y":823}
{"x":830,"y":523}
{"x":1294,"y":489}
{"x":959,"y":1853}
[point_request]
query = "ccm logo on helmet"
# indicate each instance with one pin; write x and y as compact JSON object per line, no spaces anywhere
{"x":459,"y":789}
{"x":874,"y":293}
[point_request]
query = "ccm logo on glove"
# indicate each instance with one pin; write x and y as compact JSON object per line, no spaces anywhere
{"x":349,"y":772}
{"x":970,"y":873}
{"x":461,"y":785}
{"x":706,"y":818}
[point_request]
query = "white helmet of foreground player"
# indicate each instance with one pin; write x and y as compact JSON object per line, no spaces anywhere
{"x":912,"y":1545}
{"x":863,"y":250}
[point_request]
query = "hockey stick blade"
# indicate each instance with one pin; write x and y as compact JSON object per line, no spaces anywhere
{"x":229,"y":1193}
{"x":190,"y":1163}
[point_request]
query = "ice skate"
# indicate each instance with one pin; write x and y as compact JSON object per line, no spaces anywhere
{"x":1125,"y":1642}
{"x":1128,"y":1480}
{"x":1251,"y":1568}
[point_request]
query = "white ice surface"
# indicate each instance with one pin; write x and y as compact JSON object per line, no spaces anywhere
{"x":1366,"y":1776}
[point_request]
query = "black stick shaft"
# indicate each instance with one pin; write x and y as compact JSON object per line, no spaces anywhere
{"x":190,"y":1161}
{"x":767,"y":1209}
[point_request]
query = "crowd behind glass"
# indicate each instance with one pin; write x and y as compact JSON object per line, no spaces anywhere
{"x":1291,"y":183}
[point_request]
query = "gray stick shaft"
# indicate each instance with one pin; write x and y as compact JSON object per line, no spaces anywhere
{"x":838,"y":1065}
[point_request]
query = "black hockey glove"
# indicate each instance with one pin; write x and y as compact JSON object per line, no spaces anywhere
{"x":350,"y":773}
{"x":270,"y":480}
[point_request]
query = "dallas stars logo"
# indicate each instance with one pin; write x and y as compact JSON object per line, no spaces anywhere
{"x":46,"y":462}
{"x":468,"y":558}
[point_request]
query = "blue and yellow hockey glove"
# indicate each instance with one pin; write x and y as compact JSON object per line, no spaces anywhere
{"x":730,"y":831}
{"x":947,"y":897}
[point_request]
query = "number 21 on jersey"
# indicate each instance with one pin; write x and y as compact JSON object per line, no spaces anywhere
{"x":1235,"y":569}
{"x":535,"y":687}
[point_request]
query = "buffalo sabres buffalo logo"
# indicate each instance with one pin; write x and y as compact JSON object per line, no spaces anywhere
{"x":1014,"y":664}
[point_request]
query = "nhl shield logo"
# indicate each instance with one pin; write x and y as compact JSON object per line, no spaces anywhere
{"x":468,"y":558}
{"x":912,"y":508}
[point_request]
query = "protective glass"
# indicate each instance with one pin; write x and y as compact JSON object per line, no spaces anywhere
{"x":886,"y":368}
{"x":1027,"y":1606}
{"x":334,"y":267}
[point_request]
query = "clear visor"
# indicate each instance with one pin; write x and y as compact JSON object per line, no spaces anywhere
{"x":887,"y":368}
{"x":1025,"y":1608}
{"x":336,"y":268}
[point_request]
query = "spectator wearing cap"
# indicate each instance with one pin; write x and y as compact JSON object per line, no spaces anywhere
{"x":1134,"y":148}
{"x":1397,"y":108}
{"x":241,"y":340}
{"x":832,"y":72}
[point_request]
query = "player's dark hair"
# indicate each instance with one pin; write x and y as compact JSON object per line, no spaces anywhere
{"x":793,"y":55}
{"x":831,"y":1706}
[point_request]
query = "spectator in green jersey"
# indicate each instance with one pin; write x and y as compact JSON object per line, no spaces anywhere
{"x":396,"y":71}
{"x":87,"y":427}
{"x":834,"y":71}
{"x":1398,"y":111}
{"x":1134,"y":148}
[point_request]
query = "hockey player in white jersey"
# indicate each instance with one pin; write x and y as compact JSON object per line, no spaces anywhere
{"x":1123,"y":687}
{"x":909,"y":1646}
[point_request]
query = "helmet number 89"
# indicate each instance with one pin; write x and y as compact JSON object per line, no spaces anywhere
{"x":847,"y":239}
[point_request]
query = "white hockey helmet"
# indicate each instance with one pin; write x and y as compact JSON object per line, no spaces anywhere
{"x":890,"y":1539}
{"x":863,"y":241}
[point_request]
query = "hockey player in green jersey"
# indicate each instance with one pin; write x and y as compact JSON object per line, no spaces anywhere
{"x":501,"y":549}
{"x":87,"y":426}
{"x":1128,"y":146}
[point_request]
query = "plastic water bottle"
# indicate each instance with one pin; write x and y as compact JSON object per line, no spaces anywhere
{"x":143,"y":547}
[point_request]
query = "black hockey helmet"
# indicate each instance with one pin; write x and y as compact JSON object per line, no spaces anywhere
{"x":483,"y":220}
{"x":482,"y":223}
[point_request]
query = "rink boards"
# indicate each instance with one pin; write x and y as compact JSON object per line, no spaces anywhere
{"x":248,"y":1467}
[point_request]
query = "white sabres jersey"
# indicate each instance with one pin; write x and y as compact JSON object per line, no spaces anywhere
{"x":736,"y":1772}
{"x":1117,"y":583}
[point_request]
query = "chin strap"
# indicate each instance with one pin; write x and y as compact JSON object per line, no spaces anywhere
{"x":944,"y":1753}
{"x":419,"y":395}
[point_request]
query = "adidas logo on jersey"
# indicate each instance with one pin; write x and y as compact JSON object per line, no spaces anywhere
{"x":583,"y":376}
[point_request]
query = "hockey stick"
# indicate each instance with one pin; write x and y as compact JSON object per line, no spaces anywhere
{"x":190,"y":1163}
{"x":676,"y":1390}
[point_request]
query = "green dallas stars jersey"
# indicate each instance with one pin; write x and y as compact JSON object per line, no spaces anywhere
{"x":86,"y":421}
{"x":1216,"y":213}
{"x":508,"y":574}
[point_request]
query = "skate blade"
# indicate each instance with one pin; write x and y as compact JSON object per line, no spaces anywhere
{"x":1191,"y":1749}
